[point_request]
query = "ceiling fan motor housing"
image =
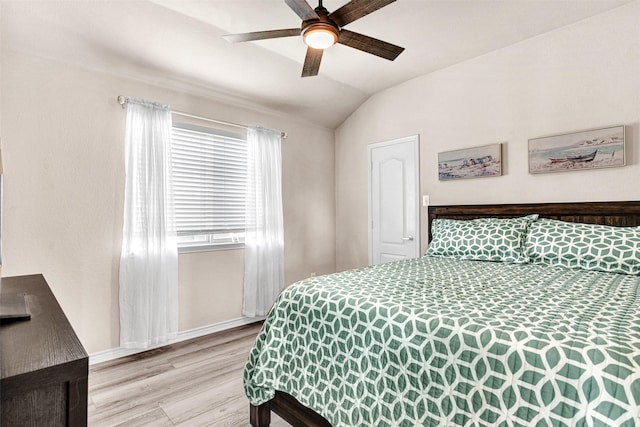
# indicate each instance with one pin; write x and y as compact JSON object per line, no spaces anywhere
{"x":323,"y":27}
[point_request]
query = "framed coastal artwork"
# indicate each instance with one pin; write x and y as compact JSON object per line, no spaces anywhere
{"x":588,"y":149}
{"x":473,"y":162}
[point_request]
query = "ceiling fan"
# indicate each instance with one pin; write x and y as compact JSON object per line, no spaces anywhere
{"x":321,"y":29}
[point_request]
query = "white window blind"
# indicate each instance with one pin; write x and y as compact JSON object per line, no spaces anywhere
{"x":209,"y":179}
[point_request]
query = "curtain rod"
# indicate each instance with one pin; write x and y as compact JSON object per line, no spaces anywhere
{"x":122,"y":100}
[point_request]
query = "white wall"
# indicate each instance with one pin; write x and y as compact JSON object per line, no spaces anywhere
{"x":583,"y":76}
{"x":62,"y":136}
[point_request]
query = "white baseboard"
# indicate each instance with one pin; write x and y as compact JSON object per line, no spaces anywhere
{"x":114,"y":353}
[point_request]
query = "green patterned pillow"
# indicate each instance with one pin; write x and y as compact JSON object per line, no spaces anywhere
{"x":587,"y":246}
{"x":484,"y":239}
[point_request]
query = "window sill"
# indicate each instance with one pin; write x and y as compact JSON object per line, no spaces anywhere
{"x":210,"y":248}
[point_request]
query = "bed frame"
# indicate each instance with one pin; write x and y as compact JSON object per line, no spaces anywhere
{"x":607,"y":213}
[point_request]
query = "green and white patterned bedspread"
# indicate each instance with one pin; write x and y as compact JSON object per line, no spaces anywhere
{"x":439,"y":342}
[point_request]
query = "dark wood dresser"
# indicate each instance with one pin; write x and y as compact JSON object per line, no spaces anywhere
{"x":43,"y":366}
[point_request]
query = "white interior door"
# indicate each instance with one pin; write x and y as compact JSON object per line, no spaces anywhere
{"x":394,"y":200}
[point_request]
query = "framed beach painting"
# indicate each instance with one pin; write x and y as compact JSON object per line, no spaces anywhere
{"x":473,"y":162}
{"x":588,"y":149}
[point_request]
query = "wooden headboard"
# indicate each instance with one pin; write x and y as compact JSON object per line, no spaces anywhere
{"x":621,"y":214}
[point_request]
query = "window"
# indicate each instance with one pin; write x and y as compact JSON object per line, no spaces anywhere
{"x":209,"y":184}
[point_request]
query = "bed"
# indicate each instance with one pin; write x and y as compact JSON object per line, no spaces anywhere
{"x":544,"y":334}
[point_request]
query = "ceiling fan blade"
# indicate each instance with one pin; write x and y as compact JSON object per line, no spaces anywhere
{"x":261,"y":35}
{"x":312,"y":62}
{"x":356,"y":9}
{"x":302,"y":9}
{"x":370,"y":45}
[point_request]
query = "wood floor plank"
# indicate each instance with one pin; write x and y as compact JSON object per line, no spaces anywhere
{"x":121,"y":377}
{"x":181,"y":410}
{"x":122,"y":416}
{"x":156,"y":418}
{"x":173,"y":380}
{"x":228,"y":415}
{"x":228,"y":350}
{"x":132,"y":399}
{"x":276,"y":421}
{"x":198,"y":382}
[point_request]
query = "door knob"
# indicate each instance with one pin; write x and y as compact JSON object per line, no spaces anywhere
{"x":410,"y":238}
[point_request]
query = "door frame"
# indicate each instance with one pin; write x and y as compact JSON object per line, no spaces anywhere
{"x":415,"y":139}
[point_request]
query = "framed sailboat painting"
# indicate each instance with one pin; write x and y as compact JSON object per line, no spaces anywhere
{"x":475,"y":162}
{"x":588,"y":149}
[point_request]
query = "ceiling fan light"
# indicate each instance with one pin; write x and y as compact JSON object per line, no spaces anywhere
{"x":320,"y":38}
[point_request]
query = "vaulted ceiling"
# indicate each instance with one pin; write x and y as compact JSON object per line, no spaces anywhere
{"x":179,"y":42}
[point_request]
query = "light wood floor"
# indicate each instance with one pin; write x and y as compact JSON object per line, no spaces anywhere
{"x":193,"y":383}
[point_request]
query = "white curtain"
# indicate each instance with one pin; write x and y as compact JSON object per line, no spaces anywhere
{"x":264,"y":238}
{"x":149,"y":258}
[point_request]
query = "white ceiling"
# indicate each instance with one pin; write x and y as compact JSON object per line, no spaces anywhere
{"x":179,"y":42}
